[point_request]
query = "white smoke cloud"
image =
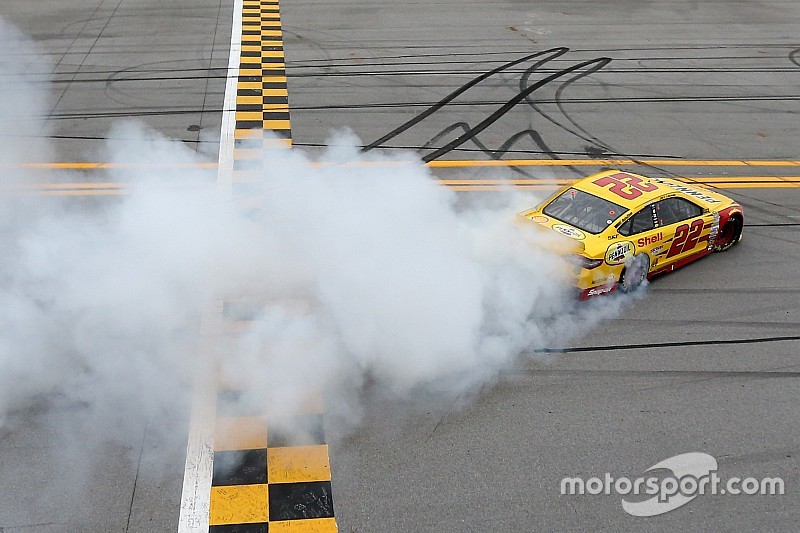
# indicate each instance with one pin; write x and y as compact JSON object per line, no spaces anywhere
{"x":373,"y":274}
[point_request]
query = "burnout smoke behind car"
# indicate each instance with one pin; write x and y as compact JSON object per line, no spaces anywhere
{"x":101,"y":301}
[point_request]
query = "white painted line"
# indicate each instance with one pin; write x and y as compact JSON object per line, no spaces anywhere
{"x":226,"y":136}
{"x":196,"y":494}
{"x":199,"y":469}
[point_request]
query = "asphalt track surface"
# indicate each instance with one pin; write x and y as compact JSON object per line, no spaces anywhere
{"x":706,"y":361}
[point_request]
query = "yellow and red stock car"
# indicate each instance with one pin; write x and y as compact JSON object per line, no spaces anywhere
{"x":624,"y":228}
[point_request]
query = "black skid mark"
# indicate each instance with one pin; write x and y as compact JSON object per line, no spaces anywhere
{"x":505,"y":108}
{"x":469,"y":133}
{"x":504,"y":148}
{"x":452,"y":96}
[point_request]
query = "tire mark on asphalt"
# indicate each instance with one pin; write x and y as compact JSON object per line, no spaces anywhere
{"x":453,"y":95}
{"x":525,"y":90}
{"x":794,"y":56}
{"x":666,"y":373}
{"x":648,"y":345}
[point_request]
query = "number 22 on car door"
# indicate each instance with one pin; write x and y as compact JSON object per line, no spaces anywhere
{"x":683,"y":221}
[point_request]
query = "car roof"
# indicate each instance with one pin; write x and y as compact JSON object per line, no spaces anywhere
{"x":649,"y":190}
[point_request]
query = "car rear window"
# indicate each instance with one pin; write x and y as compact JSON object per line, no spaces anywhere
{"x":583,"y":210}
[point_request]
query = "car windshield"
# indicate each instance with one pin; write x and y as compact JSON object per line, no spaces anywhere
{"x":583,"y":210}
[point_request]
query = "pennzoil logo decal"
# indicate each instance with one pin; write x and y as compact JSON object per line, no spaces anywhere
{"x":569,"y":232}
{"x":540,"y":219}
{"x":619,"y":252}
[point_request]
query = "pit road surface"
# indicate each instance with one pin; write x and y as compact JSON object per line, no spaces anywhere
{"x":706,"y":82}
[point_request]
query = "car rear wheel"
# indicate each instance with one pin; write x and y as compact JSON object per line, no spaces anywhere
{"x":730,"y":234}
{"x":634,"y":273}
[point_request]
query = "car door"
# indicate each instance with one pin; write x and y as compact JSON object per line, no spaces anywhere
{"x":684,"y":226}
{"x":642,"y":230}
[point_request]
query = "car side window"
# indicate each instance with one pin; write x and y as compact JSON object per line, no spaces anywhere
{"x":672,"y":210}
{"x":641,"y":221}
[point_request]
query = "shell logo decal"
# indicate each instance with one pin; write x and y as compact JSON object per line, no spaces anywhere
{"x":619,"y":252}
{"x":569,"y":232}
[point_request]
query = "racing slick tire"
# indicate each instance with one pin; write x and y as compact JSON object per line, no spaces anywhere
{"x":634,"y":273}
{"x":730,"y":234}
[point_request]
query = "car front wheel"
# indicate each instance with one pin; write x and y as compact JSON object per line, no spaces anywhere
{"x":635,"y":273}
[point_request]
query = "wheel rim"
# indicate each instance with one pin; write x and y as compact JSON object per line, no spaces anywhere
{"x":635,"y":274}
{"x":729,"y":232}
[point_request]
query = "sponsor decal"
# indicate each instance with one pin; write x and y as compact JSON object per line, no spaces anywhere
{"x":597,"y":291}
{"x":658,"y":249}
{"x":689,"y":191}
{"x":619,"y":252}
{"x":644,"y":241}
{"x":540,"y":219}
{"x":569,"y":232}
{"x":712,"y":236}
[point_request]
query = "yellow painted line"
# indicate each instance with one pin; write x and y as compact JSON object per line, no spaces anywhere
{"x":310,"y":525}
{"x":711,"y":180}
{"x":101,"y":166}
{"x":471,"y":188}
{"x":776,"y":185}
{"x":249,"y":115}
{"x":296,"y":464}
{"x":438,"y":163}
{"x":275,"y":92}
{"x":239,"y":504}
{"x":277,"y":143}
{"x":110,"y":188}
{"x":274,"y":79}
{"x":240,"y":433}
{"x":249,"y":84}
{"x":68,"y":186}
{"x":276,"y":125}
{"x":248,"y":153}
{"x":607,"y":162}
{"x":466,"y":188}
{"x":248,"y":134}
{"x":708,"y":180}
{"x":108,"y":192}
{"x":250,"y":72}
{"x":477,"y":182}
{"x":248,"y":100}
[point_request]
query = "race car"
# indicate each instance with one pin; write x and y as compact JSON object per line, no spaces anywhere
{"x":623,"y":228}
